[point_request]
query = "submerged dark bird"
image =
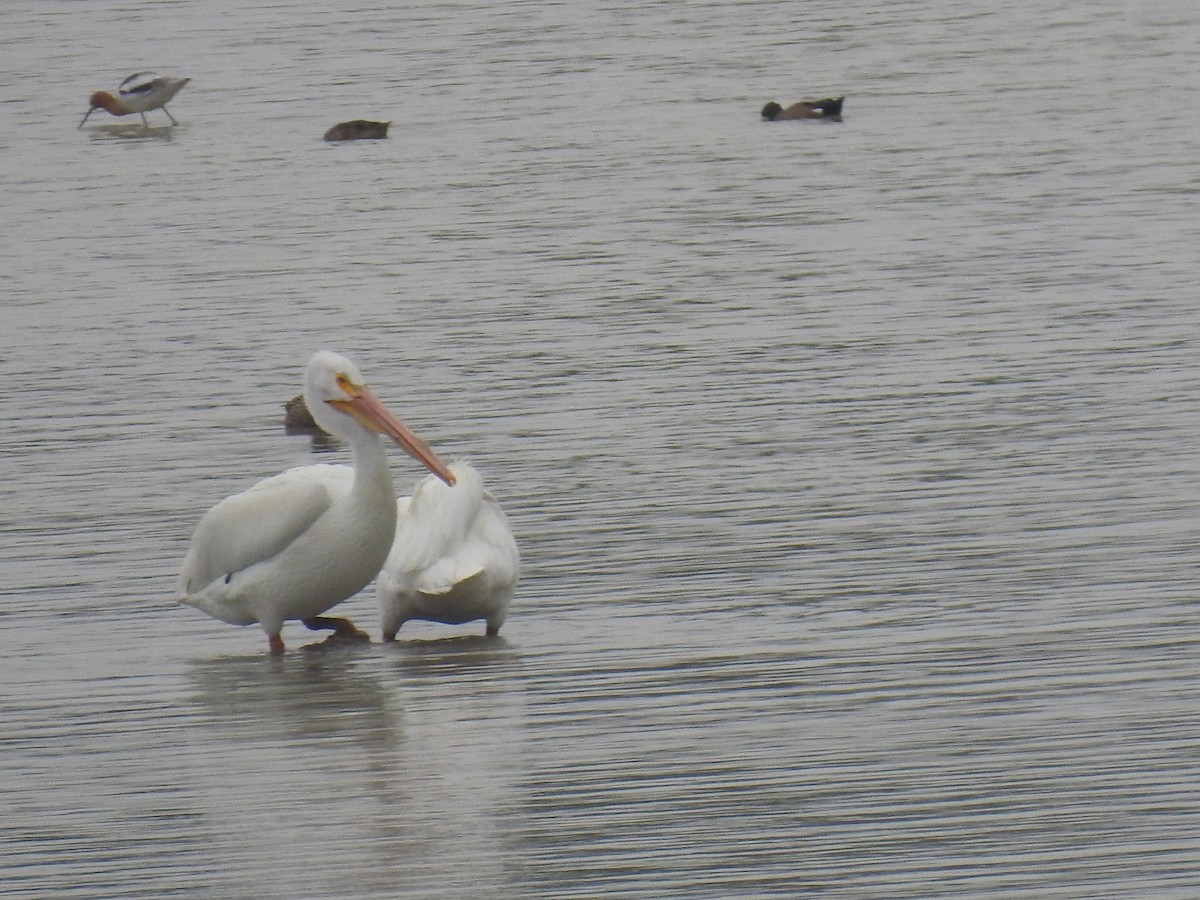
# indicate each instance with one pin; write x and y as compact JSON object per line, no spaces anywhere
{"x":829,"y":108}
{"x":357,"y":130}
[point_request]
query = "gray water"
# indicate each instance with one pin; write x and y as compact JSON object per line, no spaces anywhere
{"x":853,"y":464}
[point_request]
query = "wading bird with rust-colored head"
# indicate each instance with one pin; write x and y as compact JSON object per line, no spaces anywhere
{"x":139,"y":93}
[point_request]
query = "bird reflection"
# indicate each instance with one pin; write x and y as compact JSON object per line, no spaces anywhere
{"x":342,"y":766}
{"x":468,"y":653}
{"x":130,"y":131}
{"x":297,"y":698}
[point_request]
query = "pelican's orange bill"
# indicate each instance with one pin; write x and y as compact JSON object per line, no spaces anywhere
{"x":371,"y":413}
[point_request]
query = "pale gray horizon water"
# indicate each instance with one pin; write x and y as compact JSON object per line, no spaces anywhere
{"x":852,"y":464}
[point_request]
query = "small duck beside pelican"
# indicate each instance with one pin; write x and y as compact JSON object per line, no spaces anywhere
{"x":139,"y":93}
{"x":829,"y":108}
{"x":454,"y":558}
{"x":297,"y":419}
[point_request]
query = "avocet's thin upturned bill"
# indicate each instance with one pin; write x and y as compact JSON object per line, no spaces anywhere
{"x":297,"y":544}
{"x":139,"y":93}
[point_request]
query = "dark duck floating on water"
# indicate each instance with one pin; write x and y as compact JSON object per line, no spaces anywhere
{"x":357,"y":130}
{"x":829,"y":108}
{"x":297,"y":419}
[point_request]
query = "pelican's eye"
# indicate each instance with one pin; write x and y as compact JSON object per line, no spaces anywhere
{"x":344,"y":382}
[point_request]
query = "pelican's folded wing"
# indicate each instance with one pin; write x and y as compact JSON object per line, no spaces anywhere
{"x":488,"y":549}
{"x":447,"y":574}
{"x":253,"y":526}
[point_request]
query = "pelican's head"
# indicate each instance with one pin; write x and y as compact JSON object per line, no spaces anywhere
{"x":341,"y":403}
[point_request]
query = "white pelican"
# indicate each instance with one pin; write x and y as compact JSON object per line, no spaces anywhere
{"x":139,"y":93}
{"x":297,"y":544}
{"x":454,"y":559}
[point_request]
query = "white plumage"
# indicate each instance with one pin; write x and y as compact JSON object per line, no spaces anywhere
{"x":299,"y":543}
{"x":454,"y":558}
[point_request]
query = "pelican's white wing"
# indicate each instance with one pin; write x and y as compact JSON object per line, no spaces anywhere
{"x":434,"y":531}
{"x":259,"y":523}
{"x":456,"y":556}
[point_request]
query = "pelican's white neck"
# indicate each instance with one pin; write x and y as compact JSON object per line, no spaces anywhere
{"x":370,"y":457}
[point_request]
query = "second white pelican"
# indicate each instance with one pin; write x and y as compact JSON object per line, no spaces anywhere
{"x":454,"y":559}
{"x":299,"y":543}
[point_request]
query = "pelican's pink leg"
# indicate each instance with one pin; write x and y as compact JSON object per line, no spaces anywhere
{"x":276,"y":644}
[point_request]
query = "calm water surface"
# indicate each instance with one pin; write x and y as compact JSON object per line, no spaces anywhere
{"x":853,"y":465}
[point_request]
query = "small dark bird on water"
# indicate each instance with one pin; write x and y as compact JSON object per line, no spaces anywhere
{"x":357,"y":130}
{"x":297,"y":419}
{"x":829,"y":108}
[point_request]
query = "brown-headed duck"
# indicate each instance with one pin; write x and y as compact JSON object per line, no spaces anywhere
{"x":828,"y":108}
